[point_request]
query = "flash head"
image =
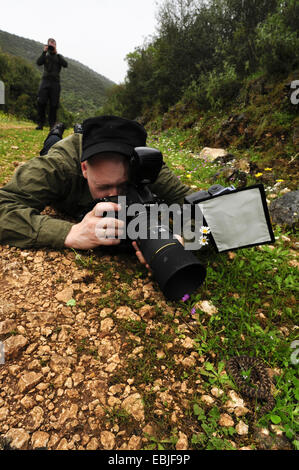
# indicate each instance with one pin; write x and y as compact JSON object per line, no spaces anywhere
{"x":145,"y":165}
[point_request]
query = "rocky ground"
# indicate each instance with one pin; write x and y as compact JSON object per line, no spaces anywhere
{"x":93,"y":357}
{"x":71,"y":375}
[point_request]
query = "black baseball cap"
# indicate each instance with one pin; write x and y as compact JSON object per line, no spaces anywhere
{"x":111,"y":134}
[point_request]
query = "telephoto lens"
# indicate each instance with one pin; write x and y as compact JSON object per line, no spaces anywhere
{"x":177,"y":271}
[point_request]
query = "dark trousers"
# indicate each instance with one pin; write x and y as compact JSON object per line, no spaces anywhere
{"x":48,"y":91}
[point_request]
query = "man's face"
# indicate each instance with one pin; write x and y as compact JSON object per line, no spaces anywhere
{"x":52,"y":43}
{"x":107,"y":175}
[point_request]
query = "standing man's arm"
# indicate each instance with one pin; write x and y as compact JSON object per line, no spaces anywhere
{"x":42,"y":57}
{"x":62,"y":61}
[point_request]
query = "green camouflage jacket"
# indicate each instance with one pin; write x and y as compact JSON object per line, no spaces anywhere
{"x":56,"y":180}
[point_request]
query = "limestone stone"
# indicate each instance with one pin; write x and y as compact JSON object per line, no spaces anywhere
{"x":37,"y":417}
{"x":134,"y":443}
{"x":207,"y":399}
{"x":133,"y":404}
{"x":107,"y":440}
{"x":18,"y":438}
{"x":207,"y":307}
{"x":182,"y":442}
{"x":65,"y":295}
{"x":226,"y":420}
{"x":242,"y":428}
{"x":39,"y":439}
{"x":14,"y":345}
{"x":210,"y":154}
{"x":126,"y":313}
{"x":6,"y":326}
{"x":29,"y":380}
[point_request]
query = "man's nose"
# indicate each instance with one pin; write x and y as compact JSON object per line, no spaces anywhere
{"x":114,"y":191}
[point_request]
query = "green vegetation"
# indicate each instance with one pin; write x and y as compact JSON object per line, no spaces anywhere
{"x":204,"y":52}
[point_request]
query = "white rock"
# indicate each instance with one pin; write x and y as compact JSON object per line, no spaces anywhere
{"x":134,"y":443}
{"x":207,"y":399}
{"x":13,"y":346}
{"x":226,"y":420}
{"x":107,"y":324}
{"x":107,"y":440}
{"x":207,"y":307}
{"x":234,"y":401}
{"x":133,"y":404}
{"x":18,"y":438}
{"x":65,"y":295}
{"x":216,"y":392}
{"x":126,"y":313}
{"x":6,"y":326}
{"x":242,"y":428}
{"x":39,"y":439}
{"x":211,"y":154}
{"x":182,"y":443}
{"x":29,"y":380}
{"x":188,"y":343}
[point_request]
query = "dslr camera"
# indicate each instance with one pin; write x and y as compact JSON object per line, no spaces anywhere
{"x":236,"y":218}
{"x":177,"y":271}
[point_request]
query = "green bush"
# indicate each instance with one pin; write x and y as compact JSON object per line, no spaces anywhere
{"x":214,"y":90}
{"x":222,"y":86}
{"x":277,"y":46}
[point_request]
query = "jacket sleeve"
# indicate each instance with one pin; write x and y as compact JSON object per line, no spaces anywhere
{"x":41,"y":59}
{"x":62,"y":61}
{"x":169,"y":188}
{"x":35,"y":185}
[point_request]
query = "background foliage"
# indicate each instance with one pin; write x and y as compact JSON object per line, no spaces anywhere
{"x":204,"y":51}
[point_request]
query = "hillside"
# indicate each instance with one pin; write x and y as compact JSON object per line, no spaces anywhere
{"x":83,"y":90}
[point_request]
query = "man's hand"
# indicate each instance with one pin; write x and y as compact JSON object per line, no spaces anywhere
{"x":141,"y":257}
{"x":95,"y":230}
{"x":46,"y":48}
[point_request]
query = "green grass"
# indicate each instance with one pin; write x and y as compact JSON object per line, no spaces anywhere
{"x":19,"y":142}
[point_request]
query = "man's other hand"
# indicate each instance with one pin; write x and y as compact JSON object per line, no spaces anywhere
{"x":141,"y":257}
{"x":96,"y":229}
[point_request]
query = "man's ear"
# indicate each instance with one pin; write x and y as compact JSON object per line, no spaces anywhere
{"x":84,"y":169}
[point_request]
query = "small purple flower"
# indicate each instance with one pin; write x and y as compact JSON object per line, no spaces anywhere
{"x":185,"y":297}
{"x":193,"y":311}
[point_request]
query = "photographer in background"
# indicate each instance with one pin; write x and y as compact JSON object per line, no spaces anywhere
{"x":49,"y":89}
